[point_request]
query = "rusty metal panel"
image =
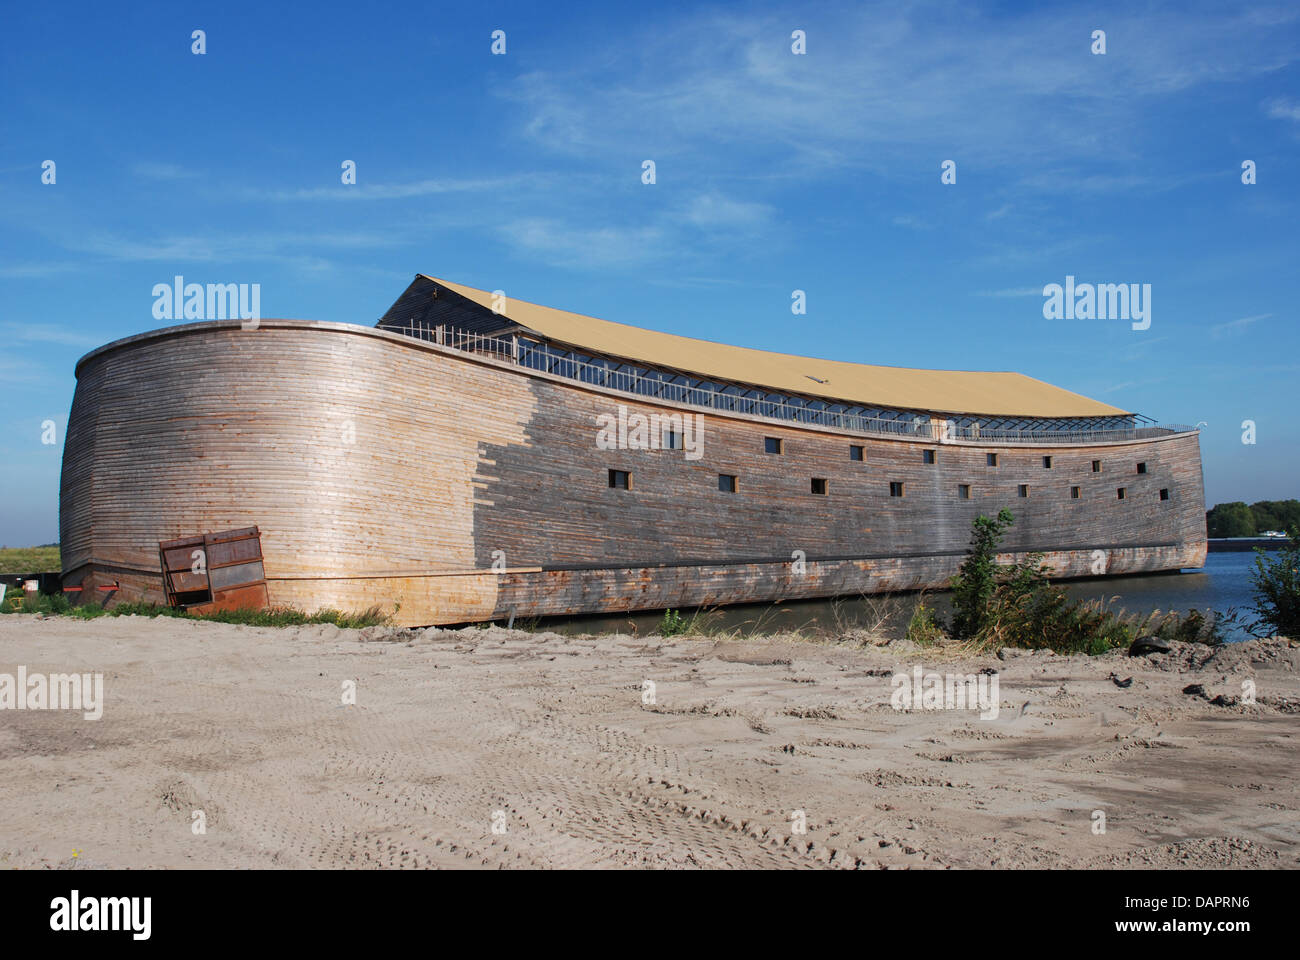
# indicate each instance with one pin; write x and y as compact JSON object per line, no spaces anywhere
{"x":234,"y":551}
{"x":181,"y":558}
{"x":253,"y":595}
{"x":191,"y":542}
{"x":223,"y":578}
{"x":186,"y":581}
{"x":231,"y":574}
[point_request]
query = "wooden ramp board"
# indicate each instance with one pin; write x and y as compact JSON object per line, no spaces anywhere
{"x":214,"y":571}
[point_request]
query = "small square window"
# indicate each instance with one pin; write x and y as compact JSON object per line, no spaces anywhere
{"x":819,"y":486}
{"x":991,"y":459}
{"x":672,"y":440}
{"x":1142,"y":468}
{"x":1164,"y":494}
{"x":1047,"y":463}
{"x":620,"y":480}
{"x":1096,"y":466}
{"x":771,"y":444}
{"x":929,"y":456}
{"x":1074,"y":493}
{"x":726,"y":483}
{"x":1121,"y":493}
{"x":963,"y":491}
{"x":895,"y":488}
{"x":1024,"y":490}
{"x":855,"y":453}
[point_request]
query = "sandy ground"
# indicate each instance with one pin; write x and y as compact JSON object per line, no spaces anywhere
{"x":547,"y":738}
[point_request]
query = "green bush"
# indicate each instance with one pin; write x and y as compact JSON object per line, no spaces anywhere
{"x":1275,"y":587}
{"x":976,"y":580}
{"x":46,"y":603}
{"x":1019,"y":606}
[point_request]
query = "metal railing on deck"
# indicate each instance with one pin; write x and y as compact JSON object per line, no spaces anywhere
{"x":663,"y":386}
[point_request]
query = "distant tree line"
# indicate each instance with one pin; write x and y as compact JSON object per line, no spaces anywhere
{"x":1239,"y":519}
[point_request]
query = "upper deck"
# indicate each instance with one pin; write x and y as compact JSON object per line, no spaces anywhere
{"x":931,"y":405}
{"x":531,"y":357}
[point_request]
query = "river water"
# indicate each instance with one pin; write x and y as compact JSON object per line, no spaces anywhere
{"x":1222,"y":585}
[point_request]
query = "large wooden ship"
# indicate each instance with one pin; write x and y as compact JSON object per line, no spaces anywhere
{"x":474,"y":457}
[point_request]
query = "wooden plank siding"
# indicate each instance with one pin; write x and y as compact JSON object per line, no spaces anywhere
{"x":386,"y":470}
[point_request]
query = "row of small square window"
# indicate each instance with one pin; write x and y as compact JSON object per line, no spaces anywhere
{"x":1076,"y":493}
{"x":729,"y":483}
{"x":858,"y":452}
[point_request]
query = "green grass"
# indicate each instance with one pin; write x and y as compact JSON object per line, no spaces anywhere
{"x":1044,"y":617}
{"x":924,"y":628}
{"x":699,"y":622}
{"x":673,"y":624}
{"x":30,"y":559}
{"x":59,"y":605}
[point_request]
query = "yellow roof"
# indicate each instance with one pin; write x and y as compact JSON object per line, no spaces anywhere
{"x":948,"y":391}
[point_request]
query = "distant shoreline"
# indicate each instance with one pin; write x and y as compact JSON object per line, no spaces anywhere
{"x":1241,"y":544}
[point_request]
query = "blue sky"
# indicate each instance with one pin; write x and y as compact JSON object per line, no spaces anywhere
{"x":774,"y":172}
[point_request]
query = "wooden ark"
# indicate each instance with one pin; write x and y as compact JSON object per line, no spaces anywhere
{"x":449,"y":465}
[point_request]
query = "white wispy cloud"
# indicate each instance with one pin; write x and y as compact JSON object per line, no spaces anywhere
{"x":910,"y":222}
{"x":1139,"y":349}
{"x":17,"y":371}
{"x":1012,"y":292}
{"x":1130,"y":385}
{"x":1283,"y":108}
{"x":152,"y":170}
{"x":561,"y":243}
{"x":870,"y":92}
{"x":1220,"y":330}
{"x":715,"y":211}
{"x":1002,"y":255}
{"x":710,"y":222}
{"x":362,"y":190}
{"x":39,"y":269}
{"x":296,"y":248}
{"x":49,"y":333}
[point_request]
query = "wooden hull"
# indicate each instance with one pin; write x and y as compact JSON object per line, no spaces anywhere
{"x":449,"y":487}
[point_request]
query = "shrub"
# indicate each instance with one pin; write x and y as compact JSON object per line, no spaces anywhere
{"x":672,"y":624}
{"x":976,"y":580}
{"x":48,"y":603}
{"x":1044,"y":617}
{"x":1275,"y":587}
{"x":924,"y":628}
{"x":1018,"y":606}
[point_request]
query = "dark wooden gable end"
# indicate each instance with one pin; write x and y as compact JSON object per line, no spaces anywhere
{"x":426,"y":305}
